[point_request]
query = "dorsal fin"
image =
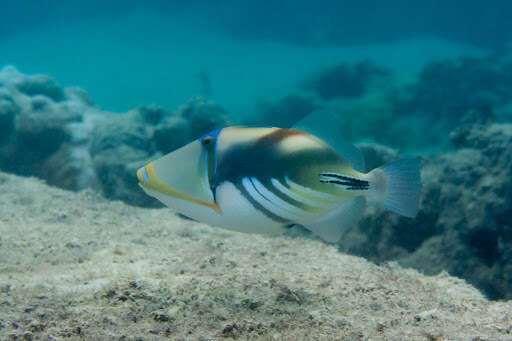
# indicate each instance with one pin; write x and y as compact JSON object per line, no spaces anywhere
{"x":325,"y":125}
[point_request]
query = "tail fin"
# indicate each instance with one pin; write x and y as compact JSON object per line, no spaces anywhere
{"x":397,"y":186}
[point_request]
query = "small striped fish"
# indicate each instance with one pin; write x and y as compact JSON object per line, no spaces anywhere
{"x":264,"y":180}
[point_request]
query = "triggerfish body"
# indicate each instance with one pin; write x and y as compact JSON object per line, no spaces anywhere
{"x":264,"y":180}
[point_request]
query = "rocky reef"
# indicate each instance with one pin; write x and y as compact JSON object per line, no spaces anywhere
{"x":455,"y":106}
{"x":408,"y":113}
{"x":464,"y":223}
{"x":59,"y":135}
{"x":344,"y":80}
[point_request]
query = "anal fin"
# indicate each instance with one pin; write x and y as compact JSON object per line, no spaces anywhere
{"x":335,"y":223}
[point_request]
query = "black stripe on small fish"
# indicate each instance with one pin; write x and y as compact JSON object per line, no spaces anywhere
{"x":258,"y":206}
{"x":351,"y":184}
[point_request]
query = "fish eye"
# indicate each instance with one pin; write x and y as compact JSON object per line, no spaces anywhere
{"x":207,"y":140}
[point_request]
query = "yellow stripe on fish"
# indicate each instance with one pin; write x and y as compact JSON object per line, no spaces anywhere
{"x":151,"y":181}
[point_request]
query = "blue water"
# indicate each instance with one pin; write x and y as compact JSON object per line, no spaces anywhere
{"x":125,"y":54}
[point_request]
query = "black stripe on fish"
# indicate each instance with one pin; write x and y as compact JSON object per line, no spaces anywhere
{"x":258,"y":206}
{"x":350,"y":184}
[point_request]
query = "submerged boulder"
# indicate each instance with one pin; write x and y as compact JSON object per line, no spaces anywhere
{"x":285,"y":112}
{"x":58,"y":134}
{"x":448,"y":89}
{"x":376,"y":155}
{"x":171,"y":133}
{"x":32,"y":85}
{"x":44,"y":125}
{"x":35,"y":120}
{"x":202,"y":116}
{"x":41,"y":85}
{"x":8,"y":111}
{"x":116,"y":168}
{"x":464,"y":224}
{"x":120,"y":144}
{"x":344,"y":80}
{"x":198,"y":116}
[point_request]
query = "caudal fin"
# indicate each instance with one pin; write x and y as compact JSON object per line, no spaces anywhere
{"x":397,"y":186}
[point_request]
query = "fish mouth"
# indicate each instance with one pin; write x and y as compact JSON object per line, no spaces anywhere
{"x":142,"y":175}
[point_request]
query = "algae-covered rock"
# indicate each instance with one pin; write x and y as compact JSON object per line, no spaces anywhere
{"x":115,"y":144}
{"x":463,"y":224}
{"x":171,"y":133}
{"x":114,"y":130}
{"x":344,"y":80}
{"x":202,"y":116}
{"x":8,"y":111}
{"x":44,"y":126}
{"x":70,"y":167}
{"x":121,"y":143}
{"x":284,"y":112}
{"x":193,"y":119}
{"x":376,"y":155}
{"x":115,"y":169}
{"x":35,"y":120}
{"x":41,"y":85}
{"x":152,"y":114}
{"x":31,"y":85}
{"x":448,"y":89}
{"x":58,"y":134}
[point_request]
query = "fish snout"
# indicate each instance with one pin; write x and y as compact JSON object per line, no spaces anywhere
{"x":142,"y":175}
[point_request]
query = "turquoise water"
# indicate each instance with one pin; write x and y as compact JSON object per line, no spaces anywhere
{"x":145,"y":56}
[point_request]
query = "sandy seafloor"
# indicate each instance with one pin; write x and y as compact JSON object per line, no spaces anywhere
{"x":74,"y":265}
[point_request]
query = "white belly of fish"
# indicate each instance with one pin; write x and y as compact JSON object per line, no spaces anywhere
{"x":237,"y":212}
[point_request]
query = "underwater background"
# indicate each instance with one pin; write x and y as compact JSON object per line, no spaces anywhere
{"x":92,"y":90}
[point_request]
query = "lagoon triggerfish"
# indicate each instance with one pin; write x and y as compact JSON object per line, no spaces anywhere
{"x":264,"y":180}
